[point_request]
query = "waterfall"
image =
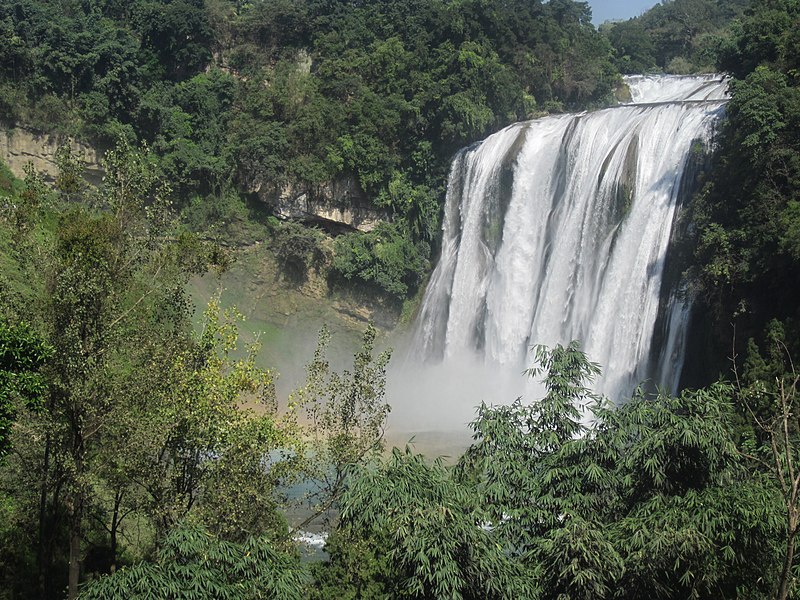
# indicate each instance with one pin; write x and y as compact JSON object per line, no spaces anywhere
{"x":559,"y":229}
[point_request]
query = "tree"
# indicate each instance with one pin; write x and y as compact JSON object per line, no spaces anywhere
{"x":425,"y":534}
{"x":633,"y":46}
{"x":114,"y":290}
{"x":545,"y":486}
{"x":386,"y":259}
{"x":768,"y":390}
{"x":682,"y":484}
{"x":89,"y":275}
{"x":194,"y":450}
{"x":297,"y":249}
{"x":22,"y":355}
{"x":646,"y":499}
{"x":177,"y":34}
{"x":347,"y":416}
{"x":194,"y":563}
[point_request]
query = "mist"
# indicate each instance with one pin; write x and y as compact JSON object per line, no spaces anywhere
{"x":432,"y":396}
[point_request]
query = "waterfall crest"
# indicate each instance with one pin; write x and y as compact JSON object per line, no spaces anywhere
{"x":559,"y":229}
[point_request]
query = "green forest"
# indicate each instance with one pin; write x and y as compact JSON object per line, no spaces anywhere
{"x":144,"y":449}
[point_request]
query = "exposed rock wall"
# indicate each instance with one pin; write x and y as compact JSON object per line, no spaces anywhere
{"x":340,"y":202}
{"x":337,"y":204}
{"x":19,"y":146}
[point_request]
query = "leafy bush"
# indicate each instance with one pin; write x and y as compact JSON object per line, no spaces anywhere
{"x":7,"y":180}
{"x":22,"y":355}
{"x":226,"y":215}
{"x":195,"y":564}
{"x":419,"y":530}
{"x":11,"y":100}
{"x":297,"y":249}
{"x":385,"y":258}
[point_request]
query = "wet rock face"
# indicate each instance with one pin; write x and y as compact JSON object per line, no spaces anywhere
{"x":623,"y":93}
{"x":20,"y":146}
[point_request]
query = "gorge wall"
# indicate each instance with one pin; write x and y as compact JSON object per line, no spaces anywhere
{"x":338,"y":204}
{"x":20,"y":146}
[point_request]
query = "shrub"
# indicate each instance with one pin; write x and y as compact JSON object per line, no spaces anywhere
{"x":297,"y":249}
{"x":385,"y":258}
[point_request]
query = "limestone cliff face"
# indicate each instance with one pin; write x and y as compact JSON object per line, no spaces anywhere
{"x":19,"y":146}
{"x":337,"y":203}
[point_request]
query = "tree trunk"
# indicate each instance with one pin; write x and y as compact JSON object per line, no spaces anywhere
{"x":75,"y":508}
{"x":42,"y":553}
{"x":115,"y":520}
{"x":75,"y":549}
{"x":786,"y":574}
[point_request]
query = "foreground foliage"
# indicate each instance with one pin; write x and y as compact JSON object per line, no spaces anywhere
{"x":653,"y":499}
{"x":194,"y":564}
{"x":124,"y":420}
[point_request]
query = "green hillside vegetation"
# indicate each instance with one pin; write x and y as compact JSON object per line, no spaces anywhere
{"x":675,"y":36}
{"x":747,"y":217}
{"x":144,"y":451}
{"x":234,"y":97}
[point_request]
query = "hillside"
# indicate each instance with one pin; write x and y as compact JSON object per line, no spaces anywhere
{"x":271,"y":166}
{"x":675,"y":36}
{"x":285,"y":100}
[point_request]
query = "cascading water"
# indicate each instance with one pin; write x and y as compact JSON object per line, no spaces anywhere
{"x":559,"y":228}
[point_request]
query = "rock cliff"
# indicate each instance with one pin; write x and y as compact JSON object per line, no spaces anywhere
{"x":19,"y":146}
{"x":339,"y":204}
{"x":336,"y":204}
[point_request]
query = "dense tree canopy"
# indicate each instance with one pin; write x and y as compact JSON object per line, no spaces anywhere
{"x":747,"y":215}
{"x":298,"y":93}
{"x":654,"y":499}
{"x":143,"y":454}
{"x":117,"y":407}
{"x":676,"y":36}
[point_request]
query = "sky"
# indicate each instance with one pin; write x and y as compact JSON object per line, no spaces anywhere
{"x":608,"y":10}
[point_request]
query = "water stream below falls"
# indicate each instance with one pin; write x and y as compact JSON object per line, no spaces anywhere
{"x":559,"y":229}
